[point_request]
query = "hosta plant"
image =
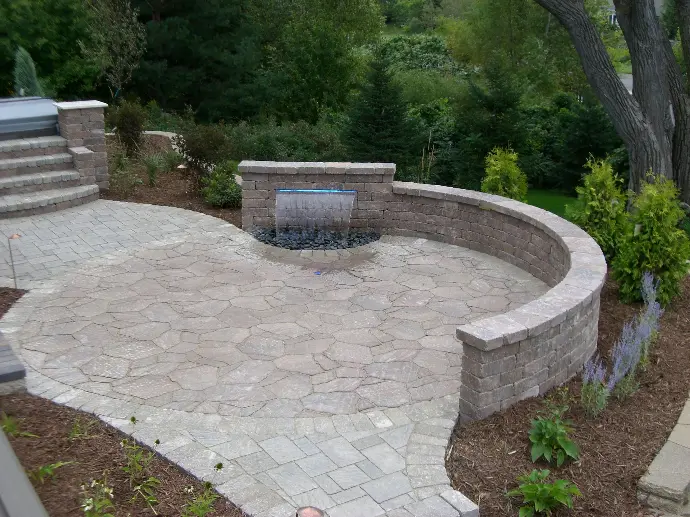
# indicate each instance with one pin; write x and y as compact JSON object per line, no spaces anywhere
{"x":542,"y":498}
{"x":549,"y":436}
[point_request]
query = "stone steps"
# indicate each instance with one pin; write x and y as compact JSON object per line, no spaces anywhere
{"x":38,"y":181}
{"x":33,"y":164}
{"x":18,"y":205}
{"x":27,"y":147}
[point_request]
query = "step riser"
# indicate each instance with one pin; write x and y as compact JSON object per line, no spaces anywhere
{"x":49,"y":208}
{"x":30,"y":153}
{"x":38,"y":187}
{"x":49,"y":167}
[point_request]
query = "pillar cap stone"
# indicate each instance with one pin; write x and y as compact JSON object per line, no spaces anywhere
{"x":80,"y":105}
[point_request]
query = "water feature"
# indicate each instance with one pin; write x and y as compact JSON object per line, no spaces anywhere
{"x":314,"y":219}
{"x":314,"y":210}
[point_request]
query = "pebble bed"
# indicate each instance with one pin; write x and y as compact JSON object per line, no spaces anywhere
{"x":315,"y":240}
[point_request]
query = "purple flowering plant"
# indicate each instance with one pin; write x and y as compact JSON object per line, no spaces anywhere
{"x":630,"y":352}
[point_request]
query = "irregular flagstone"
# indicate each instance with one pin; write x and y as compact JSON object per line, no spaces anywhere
{"x":339,"y":389}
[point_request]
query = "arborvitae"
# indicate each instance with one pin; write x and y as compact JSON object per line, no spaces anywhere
{"x":378,"y":129}
{"x":25,"y":80}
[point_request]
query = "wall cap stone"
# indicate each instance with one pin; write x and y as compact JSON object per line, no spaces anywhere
{"x":80,"y":105}
{"x":576,"y":290}
{"x":262,"y":167}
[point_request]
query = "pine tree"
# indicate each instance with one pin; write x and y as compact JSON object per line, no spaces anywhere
{"x":25,"y":79}
{"x":378,"y":129}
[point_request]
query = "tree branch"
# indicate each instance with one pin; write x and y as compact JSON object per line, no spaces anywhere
{"x":623,"y":109}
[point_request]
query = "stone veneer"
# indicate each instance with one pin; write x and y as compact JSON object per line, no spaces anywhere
{"x":82,"y":124}
{"x":506,"y":358}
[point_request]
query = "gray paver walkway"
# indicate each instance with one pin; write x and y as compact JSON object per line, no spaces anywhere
{"x":324,"y":378}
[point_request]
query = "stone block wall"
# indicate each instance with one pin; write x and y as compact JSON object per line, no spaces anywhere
{"x":82,"y":124}
{"x":508,"y":357}
{"x":372,"y":181}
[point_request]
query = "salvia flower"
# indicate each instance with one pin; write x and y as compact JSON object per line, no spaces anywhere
{"x":594,"y":372}
{"x":626,"y":354}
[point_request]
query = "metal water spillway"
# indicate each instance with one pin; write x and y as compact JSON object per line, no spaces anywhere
{"x":314,"y":210}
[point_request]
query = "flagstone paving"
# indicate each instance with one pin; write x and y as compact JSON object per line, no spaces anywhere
{"x":321,"y":378}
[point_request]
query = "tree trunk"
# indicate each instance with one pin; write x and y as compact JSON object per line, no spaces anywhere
{"x":632,"y":125}
{"x":654,"y":122}
{"x":645,"y":39}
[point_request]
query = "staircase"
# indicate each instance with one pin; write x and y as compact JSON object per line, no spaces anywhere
{"x":39,"y":175}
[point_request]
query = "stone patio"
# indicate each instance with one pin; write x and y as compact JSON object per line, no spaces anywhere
{"x":323,"y":378}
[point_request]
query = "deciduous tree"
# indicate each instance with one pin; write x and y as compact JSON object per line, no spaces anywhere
{"x":653,"y":121}
{"x":119,"y":41}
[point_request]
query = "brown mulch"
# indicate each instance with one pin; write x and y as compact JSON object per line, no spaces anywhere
{"x":7,"y":298}
{"x":616,"y":448}
{"x":93,"y":457}
{"x":179,"y":188}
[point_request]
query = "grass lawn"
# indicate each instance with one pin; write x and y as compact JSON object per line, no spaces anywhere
{"x":550,"y":200}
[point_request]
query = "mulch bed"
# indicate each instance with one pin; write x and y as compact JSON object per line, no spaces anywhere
{"x":7,"y":298}
{"x":97,"y":455}
{"x":616,"y":448}
{"x":179,"y":188}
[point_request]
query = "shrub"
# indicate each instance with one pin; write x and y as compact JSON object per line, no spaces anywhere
{"x":549,"y":436}
{"x":288,"y":141}
{"x":123,"y":177}
{"x":153,"y":164}
{"x":203,"y":146}
{"x":595,"y":393}
{"x":220,"y":188}
{"x":600,"y":207}
{"x":128,"y":119}
{"x":171,"y":159}
{"x":654,"y":243}
{"x":503,"y":176}
{"x":541,"y":497}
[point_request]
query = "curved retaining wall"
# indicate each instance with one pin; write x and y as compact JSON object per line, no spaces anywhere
{"x":509,"y":357}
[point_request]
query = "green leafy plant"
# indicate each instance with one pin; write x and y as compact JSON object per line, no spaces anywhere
{"x":146,"y":490}
{"x":153,"y":165}
{"x":81,"y":428}
{"x":653,"y":243}
{"x":10,"y":426}
{"x":503,"y":176}
{"x":96,"y":499}
{"x":171,"y":159}
{"x":203,"y":146}
{"x":540,"y":497}
{"x":129,"y":119}
{"x":44,"y":472}
{"x":202,"y":504}
{"x":123,"y":180}
{"x":600,"y":206}
{"x":549,"y":435}
{"x":220,"y":189}
{"x":138,"y":461}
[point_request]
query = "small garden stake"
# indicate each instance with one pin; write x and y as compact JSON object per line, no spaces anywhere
{"x":12,"y":237}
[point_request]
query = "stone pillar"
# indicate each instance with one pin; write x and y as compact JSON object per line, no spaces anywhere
{"x":82,"y":124}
